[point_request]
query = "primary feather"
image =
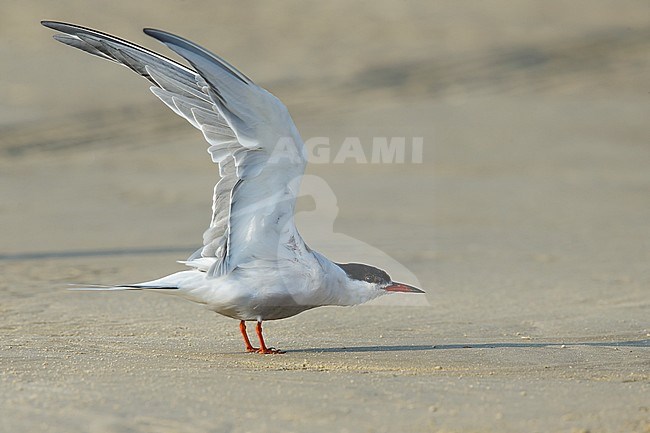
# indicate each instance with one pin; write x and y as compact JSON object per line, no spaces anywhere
{"x":251,"y":136}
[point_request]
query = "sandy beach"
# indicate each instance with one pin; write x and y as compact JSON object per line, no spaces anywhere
{"x":526,"y":221}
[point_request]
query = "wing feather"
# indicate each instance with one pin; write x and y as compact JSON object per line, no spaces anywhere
{"x":175,"y":86}
{"x":253,"y":202}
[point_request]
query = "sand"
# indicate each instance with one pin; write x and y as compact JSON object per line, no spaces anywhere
{"x":526,"y":222}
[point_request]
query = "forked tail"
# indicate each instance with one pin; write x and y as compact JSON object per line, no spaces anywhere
{"x":99,"y":287}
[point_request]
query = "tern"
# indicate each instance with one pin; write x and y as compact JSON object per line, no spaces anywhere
{"x":253,"y":265}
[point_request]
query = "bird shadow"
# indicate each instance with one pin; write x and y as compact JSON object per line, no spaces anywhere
{"x":427,"y":347}
{"x":80,"y":254}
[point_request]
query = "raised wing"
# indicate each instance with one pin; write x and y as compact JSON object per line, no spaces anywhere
{"x":252,"y":138}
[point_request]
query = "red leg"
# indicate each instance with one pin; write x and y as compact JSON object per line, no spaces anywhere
{"x":242,"y":328}
{"x":263,"y":348}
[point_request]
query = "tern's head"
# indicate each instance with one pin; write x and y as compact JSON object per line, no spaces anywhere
{"x":369,"y":282}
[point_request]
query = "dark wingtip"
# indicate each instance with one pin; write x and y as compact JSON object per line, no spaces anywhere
{"x":176,"y":43}
{"x":163,"y":36}
{"x":49,"y":24}
{"x":154,"y":33}
{"x":61,"y":26}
